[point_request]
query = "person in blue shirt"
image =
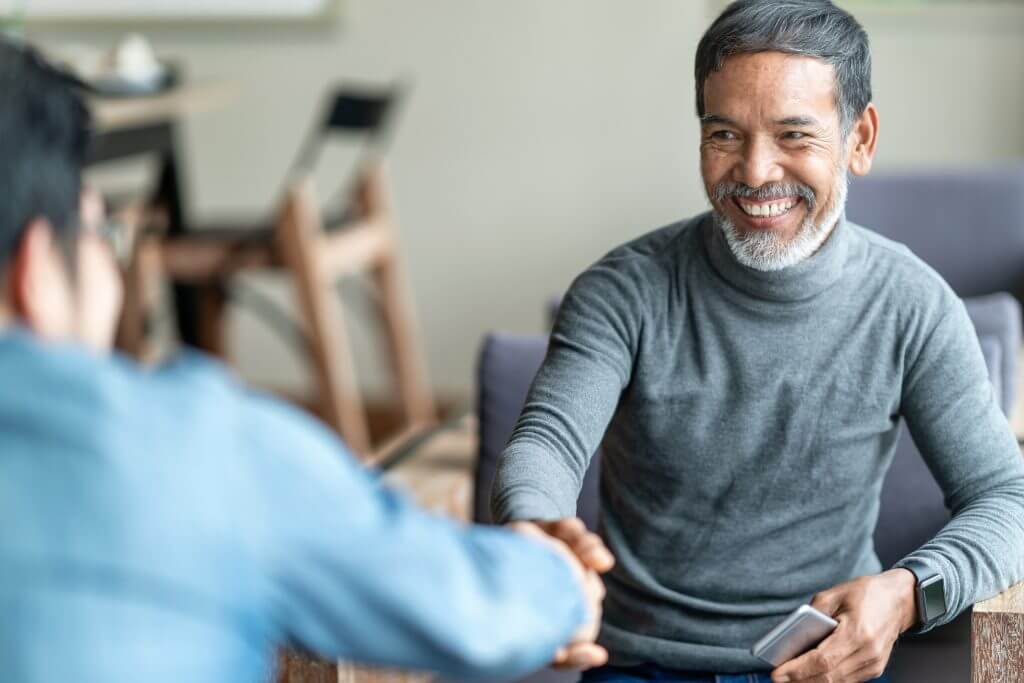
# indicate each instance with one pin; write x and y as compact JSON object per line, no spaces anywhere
{"x":169,"y":525}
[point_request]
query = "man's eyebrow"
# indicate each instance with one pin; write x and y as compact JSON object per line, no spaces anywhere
{"x":710,"y":119}
{"x":797,"y":121}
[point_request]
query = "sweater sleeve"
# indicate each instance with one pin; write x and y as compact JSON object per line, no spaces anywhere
{"x":951,"y":409}
{"x":573,"y":398}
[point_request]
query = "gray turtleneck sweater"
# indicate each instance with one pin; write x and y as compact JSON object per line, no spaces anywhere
{"x":748,"y":421}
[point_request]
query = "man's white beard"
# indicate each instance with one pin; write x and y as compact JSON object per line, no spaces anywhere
{"x":766,"y":251}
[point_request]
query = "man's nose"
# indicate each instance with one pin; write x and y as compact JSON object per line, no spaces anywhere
{"x":759,"y":165}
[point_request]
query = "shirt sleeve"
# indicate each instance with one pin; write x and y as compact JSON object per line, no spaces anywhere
{"x":359,"y":573}
{"x":572,"y":399}
{"x":953,"y":414}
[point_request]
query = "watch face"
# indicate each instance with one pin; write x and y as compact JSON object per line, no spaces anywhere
{"x":934,"y":594}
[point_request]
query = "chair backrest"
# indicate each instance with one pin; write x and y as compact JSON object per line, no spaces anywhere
{"x":967,"y":224}
{"x":506,"y":367}
{"x":912,"y":507}
{"x":368,"y":112}
{"x":349,"y":110}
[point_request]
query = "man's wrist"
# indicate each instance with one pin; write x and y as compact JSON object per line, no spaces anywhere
{"x":908,"y":598}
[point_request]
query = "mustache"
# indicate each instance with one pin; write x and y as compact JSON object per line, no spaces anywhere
{"x":765,"y":192}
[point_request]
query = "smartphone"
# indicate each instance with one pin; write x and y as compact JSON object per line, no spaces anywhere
{"x":802,"y":630}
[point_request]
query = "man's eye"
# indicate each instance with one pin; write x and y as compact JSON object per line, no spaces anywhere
{"x":794,"y":135}
{"x":723,"y":135}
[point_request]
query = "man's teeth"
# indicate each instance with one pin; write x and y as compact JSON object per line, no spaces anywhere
{"x":776,"y":209}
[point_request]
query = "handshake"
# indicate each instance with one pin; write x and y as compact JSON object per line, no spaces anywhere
{"x":587,"y":554}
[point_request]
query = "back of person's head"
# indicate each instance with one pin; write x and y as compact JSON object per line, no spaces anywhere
{"x":44,"y":132}
{"x":58,"y":277}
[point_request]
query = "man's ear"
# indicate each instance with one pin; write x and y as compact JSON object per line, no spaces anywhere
{"x":863,"y":140}
{"x":38,"y":282}
{"x":35,"y":242}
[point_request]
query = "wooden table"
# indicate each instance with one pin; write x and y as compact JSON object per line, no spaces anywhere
{"x":997,"y":625}
{"x":997,"y":638}
{"x":113,"y":114}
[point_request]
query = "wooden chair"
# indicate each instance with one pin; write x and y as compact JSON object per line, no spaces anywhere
{"x":316,"y":253}
{"x":315,"y":259}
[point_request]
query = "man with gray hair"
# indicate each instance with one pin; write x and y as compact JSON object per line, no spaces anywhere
{"x":747,"y":370}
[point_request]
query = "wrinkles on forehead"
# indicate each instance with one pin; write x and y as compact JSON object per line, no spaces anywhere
{"x":766,"y":90}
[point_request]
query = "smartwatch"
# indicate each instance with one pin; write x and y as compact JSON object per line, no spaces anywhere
{"x":931,"y":594}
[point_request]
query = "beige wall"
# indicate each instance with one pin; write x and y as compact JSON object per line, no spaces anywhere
{"x":950,"y":89}
{"x":541,"y":133}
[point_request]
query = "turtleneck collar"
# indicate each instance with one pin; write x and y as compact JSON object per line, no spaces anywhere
{"x":802,"y":281}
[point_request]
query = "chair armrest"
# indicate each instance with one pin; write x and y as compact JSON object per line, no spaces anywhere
{"x":997,"y":637}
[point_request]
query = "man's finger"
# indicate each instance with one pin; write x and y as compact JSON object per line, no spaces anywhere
{"x":857,"y":667}
{"x":828,"y":656}
{"x":582,"y":656}
{"x":595,"y":584}
{"x":569,"y":529}
{"x":827,"y":602}
{"x":586,"y":545}
{"x":594,"y":553}
{"x":860,"y":666}
{"x":868,"y":672}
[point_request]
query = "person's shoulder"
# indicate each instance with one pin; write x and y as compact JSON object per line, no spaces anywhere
{"x":191,"y":372}
{"x":234,"y":432}
{"x":656,"y":245}
{"x":68,"y":377}
{"x":896,"y":269}
{"x":645,"y":261}
{"x":897,"y":260}
{"x":108,"y":407}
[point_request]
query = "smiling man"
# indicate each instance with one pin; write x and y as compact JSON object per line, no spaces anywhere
{"x":778,"y":180}
{"x":747,"y":370}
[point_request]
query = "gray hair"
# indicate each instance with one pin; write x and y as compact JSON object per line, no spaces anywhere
{"x":813,"y":28}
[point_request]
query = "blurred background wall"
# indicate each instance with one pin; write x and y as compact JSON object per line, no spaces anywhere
{"x":540,"y":134}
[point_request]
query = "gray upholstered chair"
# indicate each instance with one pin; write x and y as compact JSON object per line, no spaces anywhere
{"x":912,"y":507}
{"x":966,"y":224}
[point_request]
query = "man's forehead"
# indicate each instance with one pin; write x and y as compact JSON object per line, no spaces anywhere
{"x":800,"y":120}
{"x":772,"y":86}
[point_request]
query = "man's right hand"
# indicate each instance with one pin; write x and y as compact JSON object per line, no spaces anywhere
{"x":586,"y":545}
{"x":587,"y":554}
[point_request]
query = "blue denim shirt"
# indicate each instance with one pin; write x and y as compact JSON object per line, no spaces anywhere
{"x":168,"y":525}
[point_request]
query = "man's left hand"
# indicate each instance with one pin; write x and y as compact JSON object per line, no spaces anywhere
{"x":872,"y":612}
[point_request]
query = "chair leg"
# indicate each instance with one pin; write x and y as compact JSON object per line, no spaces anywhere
{"x":404,"y":348}
{"x":211,"y":328}
{"x":329,"y":348}
{"x":399,"y":325}
{"x":140,"y":280}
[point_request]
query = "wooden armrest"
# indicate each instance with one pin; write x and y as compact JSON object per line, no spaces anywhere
{"x":997,"y":637}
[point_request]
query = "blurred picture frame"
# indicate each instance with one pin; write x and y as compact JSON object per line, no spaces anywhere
{"x":168,"y":11}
